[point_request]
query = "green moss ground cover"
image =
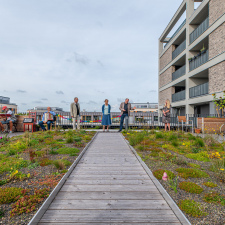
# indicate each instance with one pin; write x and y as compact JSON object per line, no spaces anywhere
{"x":197,"y":165}
{"x":31,"y":165}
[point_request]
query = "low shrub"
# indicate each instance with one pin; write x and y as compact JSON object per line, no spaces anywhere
{"x":179,"y":161}
{"x":27,"y":204}
{"x":209,"y":140}
{"x":33,"y":165}
{"x":59,"y":164}
{"x":159,"y":173}
{"x":136,"y":139}
{"x":190,"y":187}
{"x":199,"y":142}
{"x":191,"y":137}
{"x":77,"y":139}
{"x":67,"y":150}
{"x":201,"y":156}
{"x":2,"y":182}
{"x":173,"y":137}
{"x":159,"y":135}
{"x":45,"y":162}
{"x":140,"y":147}
{"x":11,"y":194}
{"x":214,"y":197}
{"x":53,"y":152}
{"x":191,"y":172}
{"x":193,"y":165}
{"x":12,"y":152}
{"x":174,"y":143}
{"x":192,"y":208}
{"x":154,"y":154}
{"x":210,"y":184}
{"x":69,"y":140}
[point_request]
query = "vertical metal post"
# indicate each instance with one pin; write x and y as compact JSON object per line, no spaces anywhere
{"x":126,"y":123}
{"x":203,"y":125}
{"x":182,"y":125}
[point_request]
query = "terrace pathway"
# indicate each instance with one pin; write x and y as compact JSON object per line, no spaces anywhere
{"x":111,"y":185}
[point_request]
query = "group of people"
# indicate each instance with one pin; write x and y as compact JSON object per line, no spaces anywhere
{"x":49,"y":116}
{"x":125,"y":108}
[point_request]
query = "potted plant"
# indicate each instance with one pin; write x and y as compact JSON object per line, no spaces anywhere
{"x":190,"y":59}
{"x":197,"y":130}
{"x":194,"y":57}
{"x":203,"y":50}
{"x":199,"y":53}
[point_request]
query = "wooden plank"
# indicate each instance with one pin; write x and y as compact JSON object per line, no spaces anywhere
{"x":107,"y":168}
{"x":113,"y":223}
{"x":150,"y":188}
{"x":109,"y":204}
{"x":107,"y":182}
{"x":80,"y":172}
{"x":108,"y":177}
{"x":122,"y":195}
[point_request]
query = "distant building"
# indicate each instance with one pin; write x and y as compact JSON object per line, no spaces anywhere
{"x":145,"y":107}
{"x":41,"y":109}
{"x":5,"y":101}
{"x":192,"y":59}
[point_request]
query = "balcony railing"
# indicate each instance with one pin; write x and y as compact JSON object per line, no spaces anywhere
{"x":199,"y":30}
{"x":179,"y":49}
{"x":199,"y":60}
{"x":178,"y":96}
{"x":179,"y":73}
{"x":199,"y":90}
{"x":178,"y":29}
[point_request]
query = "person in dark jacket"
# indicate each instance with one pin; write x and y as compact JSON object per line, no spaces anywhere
{"x":106,"y":118}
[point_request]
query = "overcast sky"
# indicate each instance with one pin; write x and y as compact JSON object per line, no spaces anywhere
{"x":54,"y":50}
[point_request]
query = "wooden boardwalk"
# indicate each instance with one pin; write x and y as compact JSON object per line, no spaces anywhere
{"x":110,"y":185}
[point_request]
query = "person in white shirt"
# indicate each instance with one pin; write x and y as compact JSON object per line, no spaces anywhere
{"x":9,"y":120}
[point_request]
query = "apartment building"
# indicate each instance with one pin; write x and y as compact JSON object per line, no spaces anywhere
{"x":192,"y":60}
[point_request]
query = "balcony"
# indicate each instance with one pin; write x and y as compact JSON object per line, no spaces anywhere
{"x":199,"y":60}
{"x":199,"y":30}
{"x":179,"y":73}
{"x":179,"y":49}
{"x":178,"y":29}
{"x":178,"y":96}
{"x":199,"y":90}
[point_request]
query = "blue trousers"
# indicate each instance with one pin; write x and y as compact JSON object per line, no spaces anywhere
{"x":122,"y":119}
{"x":41,"y":124}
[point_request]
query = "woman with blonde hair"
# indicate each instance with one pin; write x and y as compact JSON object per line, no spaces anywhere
{"x":106,"y":118}
{"x":166,"y":114}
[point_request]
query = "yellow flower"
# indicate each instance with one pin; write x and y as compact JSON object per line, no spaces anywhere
{"x":128,"y":133}
{"x":183,"y":144}
{"x":221,"y":169}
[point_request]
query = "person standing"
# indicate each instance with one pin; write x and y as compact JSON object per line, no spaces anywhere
{"x":9,"y":120}
{"x":166,"y":114}
{"x":125,"y":108}
{"x":106,"y":118}
{"x":75,"y":113}
{"x":47,"y":118}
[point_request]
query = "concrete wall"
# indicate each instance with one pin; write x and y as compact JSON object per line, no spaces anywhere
{"x":166,"y":57}
{"x":166,"y":94}
{"x":217,"y":41}
{"x":217,"y":78}
{"x":216,"y":10}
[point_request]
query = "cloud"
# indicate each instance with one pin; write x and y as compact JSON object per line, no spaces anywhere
{"x":120,"y":100}
{"x":44,"y":99}
{"x":23,"y":103}
{"x":102,"y":92}
{"x":92,"y":102}
{"x":152,"y":91}
{"x":37,"y":101}
{"x":81,"y":59}
{"x":64,"y":102}
{"x":59,"y":92}
{"x":100,"y":63}
{"x":21,"y":91}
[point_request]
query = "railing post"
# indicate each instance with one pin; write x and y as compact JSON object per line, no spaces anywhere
{"x":203,"y":125}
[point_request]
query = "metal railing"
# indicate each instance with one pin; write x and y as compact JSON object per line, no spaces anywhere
{"x":179,"y":73}
{"x":199,"y":90}
{"x":199,"y":30}
{"x":179,"y":49}
{"x":178,"y":29}
{"x":199,"y":60}
{"x":179,"y":96}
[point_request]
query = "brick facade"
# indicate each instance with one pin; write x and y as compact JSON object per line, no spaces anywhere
{"x":166,"y":94}
{"x":216,"y":10}
{"x":166,"y":77}
{"x":217,"y":78}
{"x":217,"y":41}
{"x":166,"y":57}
